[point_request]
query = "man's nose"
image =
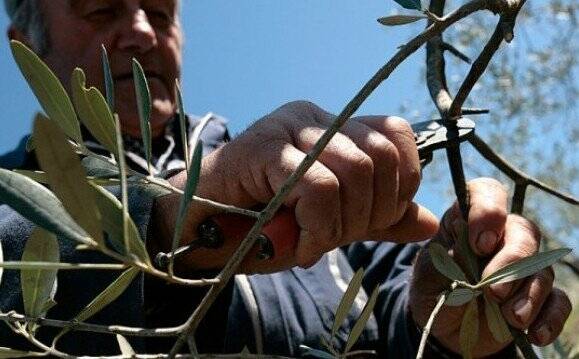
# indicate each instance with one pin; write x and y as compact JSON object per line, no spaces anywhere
{"x":137,"y":33}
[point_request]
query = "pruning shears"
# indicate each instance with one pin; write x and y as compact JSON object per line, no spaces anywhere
{"x":279,"y":236}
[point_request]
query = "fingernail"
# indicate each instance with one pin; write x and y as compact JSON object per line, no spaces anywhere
{"x":543,"y":334}
{"x":500,"y":291}
{"x":486,"y":242}
{"x":522,"y":310}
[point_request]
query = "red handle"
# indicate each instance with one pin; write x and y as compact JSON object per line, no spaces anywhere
{"x":282,"y":231}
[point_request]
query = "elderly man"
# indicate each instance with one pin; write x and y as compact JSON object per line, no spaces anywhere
{"x":360,"y":189}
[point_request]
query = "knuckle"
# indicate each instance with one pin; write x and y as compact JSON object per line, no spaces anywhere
{"x":527,"y":226}
{"x":388,"y":154}
{"x":360,"y":164}
{"x":325,"y":185}
{"x":400,"y":125}
{"x":489,"y":182}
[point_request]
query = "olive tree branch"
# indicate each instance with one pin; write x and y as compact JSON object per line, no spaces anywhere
{"x":13,"y":317}
{"x":515,"y":174}
{"x":503,"y":30}
{"x":383,"y":73}
{"x":426,"y":331}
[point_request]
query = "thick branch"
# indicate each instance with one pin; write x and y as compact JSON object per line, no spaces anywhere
{"x":276,"y":202}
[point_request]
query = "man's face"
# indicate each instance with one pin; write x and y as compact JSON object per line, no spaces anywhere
{"x":148,"y":30}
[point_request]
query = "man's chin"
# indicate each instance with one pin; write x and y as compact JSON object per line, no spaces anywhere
{"x":131,"y":125}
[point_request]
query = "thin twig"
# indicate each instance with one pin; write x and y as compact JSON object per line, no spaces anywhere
{"x":61,"y":266}
{"x":429,"y":323}
{"x":481,"y":63}
{"x":247,"y":244}
{"x":514,"y":173}
{"x":456,"y":52}
{"x":13,"y":317}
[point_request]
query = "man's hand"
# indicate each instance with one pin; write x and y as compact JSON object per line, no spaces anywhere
{"x":498,"y":239}
{"x":360,"y":188}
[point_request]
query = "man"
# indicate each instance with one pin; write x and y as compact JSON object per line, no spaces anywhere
{"x":361,"y":188}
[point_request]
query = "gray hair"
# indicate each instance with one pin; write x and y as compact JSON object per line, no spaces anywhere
{"x":28,"y":19}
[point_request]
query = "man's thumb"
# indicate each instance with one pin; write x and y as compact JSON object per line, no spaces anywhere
{"x":417,"y":224}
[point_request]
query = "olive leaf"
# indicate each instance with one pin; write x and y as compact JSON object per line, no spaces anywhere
{"x":126,"y":348}
{"x":106,"y":297}
{"x":463,"y":249}
{"x":190,"y":188}
{"x":93,"y":111}
{"x":347,"y":300}
{"x":99,"y":168}
{"x":182,"y":123}
{"x":124,"y":189}
{"x":66,"y":176}
{"x":37,"y":176}
{"x":112,"y":223}
{"x":524,"y":267}
{"x":36,"y":203}
{"x":410,"y":4}
{"x":307,"y":352}
{"x":48,"y":90}
{"x":395,"y":20}
{"x":143,"y":95}
{"x":109,"y":83}
{"x":469,"y":329}
{"x":39,"y":285}
{"x":360,"y":324}
{"x":461,"y":296}
{"x":496,"y":322}
{"x":444,"y":263}
{"x":11,"y":353}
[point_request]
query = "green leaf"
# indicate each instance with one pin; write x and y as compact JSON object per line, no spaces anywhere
{"x":11,"y":353}
{"x":362,"y":320}
{"x":99,"y":168}
{"x":143,"y":95}
{"x":469,"y":329}
{"x":444,"y":263}
{"x":496,"y":322}
{"x":182,"y":123}
{"x":347,"y":300}
{"x":463,"y":249}
{"x":395,"y":20}
{"x":461,"y":296}
{"x":410,"y":4}
{"x":36,"y":203}
{"x":307,"y":352}
{"x":48,"y":89}
{"x":37,"y":176}
{"x":124,"y":189}
{"x":66,"y":176}
{"x":112,"y":223}
{"x":126,"y":348}
{"x":109,"y":83}
{"x":525,"y":267}
{"x":93,"y":111}
{"x":109,"y":295}
{"x":39,"y":286}
{"x":190,"y":188}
